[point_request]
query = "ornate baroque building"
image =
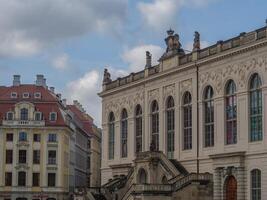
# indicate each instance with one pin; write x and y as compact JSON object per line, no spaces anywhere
{"x":47,"y":148}
{"x":191,"y":127}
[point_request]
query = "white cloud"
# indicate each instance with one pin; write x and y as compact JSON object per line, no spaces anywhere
{"x":161,"y":14}
{"x":61,"y":62}
{"x":85,"y":90}
{"x":189,"y":45}
{"x":26,"y":27}
{"x":136,"y":57}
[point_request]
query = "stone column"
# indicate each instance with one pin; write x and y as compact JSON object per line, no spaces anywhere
{"x":240,"y":175}
{"x":217,"y":184}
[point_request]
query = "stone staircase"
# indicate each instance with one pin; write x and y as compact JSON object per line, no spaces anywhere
{"x":124,"y":187}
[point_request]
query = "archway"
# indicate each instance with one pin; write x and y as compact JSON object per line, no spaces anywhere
{"x":231,"y":188}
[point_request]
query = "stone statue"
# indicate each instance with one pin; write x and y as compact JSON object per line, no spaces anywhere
{"x":196,"y":45}
{"x":152,"y":146}
{"x":106,"y":78}
{"x":172,"y":41}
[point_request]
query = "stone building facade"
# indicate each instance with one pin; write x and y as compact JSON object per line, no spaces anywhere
{"x":44,"y":144}
{"x":204,"y":111}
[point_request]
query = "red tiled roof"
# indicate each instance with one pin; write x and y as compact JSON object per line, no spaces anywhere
{"x":81,"y":117}
{"x":46,"y":104}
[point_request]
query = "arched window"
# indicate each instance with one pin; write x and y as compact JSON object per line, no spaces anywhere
{"x":155,"y":125}
{"x":142,"y":176}
{"x":231,"y":113}
{"x":209,"y":117}
{"x":124,"y":133}
{"x":255,"y":108}
{"x":111,"y":135}
{"x":170,"y":119}
{"x":187,"y":118}
{"x":255,"y":184}
{"x":138,"y":129}
{"x":21,"y":178}
{"x":24,"y":114}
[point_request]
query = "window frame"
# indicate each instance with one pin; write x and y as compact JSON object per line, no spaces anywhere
{"x":258,"y":105}
{"x":230,"y":113}
{"x":8,"y":179}
{"x":170,"y":127}
{"x":24,"y":114}
{"x":50,"y":116}
{"x":111,"y":136}
{"x":208,"y":121}
{"x":257,"y":188}
{"x":24,"y":180}
{"x":138,"y":129}
{"x":124,"y":133}
{"x":7,"y":115}
{"x":155,"y":125}
{"x":23,"y":136}
{"x":187,"y":121}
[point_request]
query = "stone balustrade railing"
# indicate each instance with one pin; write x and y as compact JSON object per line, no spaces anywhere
{"x":220,"y":46}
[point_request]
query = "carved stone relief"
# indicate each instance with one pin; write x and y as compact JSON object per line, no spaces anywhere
{"x":128,"y":102}
{"x":185,"y":85}
{"x":153,"y":94}
{"x":168,"y":91}
{"x":240,"y":72}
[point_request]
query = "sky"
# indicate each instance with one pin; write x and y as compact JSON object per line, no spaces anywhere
{"x":71,"y":42}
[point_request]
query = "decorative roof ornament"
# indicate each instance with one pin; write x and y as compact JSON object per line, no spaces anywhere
{"x":196,"y":45}
{"x":173,"y":45}
{"x":106,"y":78}
{"x":148,"y":59}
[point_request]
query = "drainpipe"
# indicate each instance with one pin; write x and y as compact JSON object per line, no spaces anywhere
{"x":197,"y":73}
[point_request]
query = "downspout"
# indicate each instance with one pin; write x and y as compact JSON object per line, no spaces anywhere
{"x":197,"y":74}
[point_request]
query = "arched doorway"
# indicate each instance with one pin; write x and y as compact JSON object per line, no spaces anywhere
{"x":230,"y":188}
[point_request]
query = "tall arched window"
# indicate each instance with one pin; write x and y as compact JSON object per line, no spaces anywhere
{"x":209,"y":117}
{"x":255,"y":184}
{"x":138,"y":129}
{"x":124,"y":133}
{"x":24,"y":114}
{"x":155,"y":125}
{"x":231,"y":113}
{"x":170,"y":119}
{"x":187,"y":118}
{"x":111,"y":135}
{"x":255,"y":108}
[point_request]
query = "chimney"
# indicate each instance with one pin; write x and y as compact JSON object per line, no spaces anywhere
{"x":148,"y":59}
{"x":64,"y":102}
{"x":40,"y":80}
{"x":16,"y":80}
{"x":75,"y":102}
{"x":59,"y":96}
{"x":52,"y":89}
{"x":44,"y":82}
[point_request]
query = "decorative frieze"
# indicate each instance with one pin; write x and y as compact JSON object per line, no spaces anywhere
{"x":239,"y":72}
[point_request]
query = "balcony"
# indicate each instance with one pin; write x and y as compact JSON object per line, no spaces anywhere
{"x":17,"y":122}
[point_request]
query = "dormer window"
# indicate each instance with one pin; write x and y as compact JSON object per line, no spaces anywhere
{"x":9,"y":115}
{"x":25,"y":95}
{"x":13,"y":95}
{"x":37,"y":95}
{"x":38,"y":116}
{"x":53,"y":116}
